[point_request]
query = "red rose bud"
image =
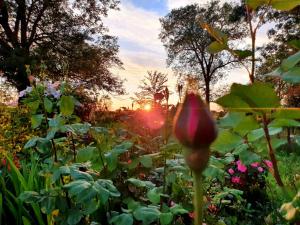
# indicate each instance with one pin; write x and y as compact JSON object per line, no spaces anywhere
{"x":194,"y":125}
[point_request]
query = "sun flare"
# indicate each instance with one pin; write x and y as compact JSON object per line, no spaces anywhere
{"x":147,"y":107}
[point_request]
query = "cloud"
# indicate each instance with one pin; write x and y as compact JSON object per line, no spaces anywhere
{"x":141,"y":50}
{"x":179,"y":3}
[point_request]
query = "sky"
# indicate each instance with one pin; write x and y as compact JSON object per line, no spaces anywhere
{"x":137,"y":27}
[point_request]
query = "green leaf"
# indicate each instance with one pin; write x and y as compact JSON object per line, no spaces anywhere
{"x":146,"y":161}
{"x":86,"y":154}
{"x":178,"y":209}
{"x":122,"y":219}
{"x":67,"y":105}
{"x":147,"y":215}
{"x":290,"y":62}
{"x":216,"y":47}
{"x":121,"y":148}
{"x":284,"y":123}
{"x":166,"y":218}
{"x":74,"y":216}
{"x":154,"y":195}
{"x":249,"y":157}
{"x":285,"y":4}
{"x":242,"y":54}
{"x":254,"y":4}
{"x":26,"y":221}
{"x":292,"y":76}
{"x":232,"y":101}
{"x":287,"y":113}
{"x":257,"y":95}
{"x":48,"y":105}
{"x":141,"y":183}
{"x":226,"y":141}
{"x":36,"y":120}
{"x":294,"y":44}
{"x":34,"y":105}
{"x":259,"y":133}
{"x":31,"y":142}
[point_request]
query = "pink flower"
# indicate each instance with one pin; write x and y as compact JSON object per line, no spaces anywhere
{"x":255,"y":164}
{"x":231,"y":171}
{"x":269,"y":164}
{"x":241,"y":167}
{"x":260,"y":169}
{"x":236,"y":180}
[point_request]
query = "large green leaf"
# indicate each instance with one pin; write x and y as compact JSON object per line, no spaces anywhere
{"x":291,"y":61}
{"x":48,"y":104}
{"x":141,"y":183}
{"x":254,"y":4}
{"x":146,"y":161}
{"x":292,"y":75}
{"x":285,"y":4}
{"x":67,"y":105}
{"x":284,"y":123}
{"x":249,"y":157}
{"x":216,"y":47}
{"x":122,"y":219}
{"x":259,"y":133}
{"x":36,"y":120}
{"x":226,"y":141}
{"x":154,"y":195}
{"x":147,"y":215}
{"x":86,"y":154}
{"x":74,"y":216}
{"x":258,"y":96}
{"x":240,"y":122}
{"x":294,"y":44}
{"x":287,"y":113}
{"x":166,"y":218}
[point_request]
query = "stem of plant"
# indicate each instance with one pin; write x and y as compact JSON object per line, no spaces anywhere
{"x":198,"y":198}
{"x":271,"y":152}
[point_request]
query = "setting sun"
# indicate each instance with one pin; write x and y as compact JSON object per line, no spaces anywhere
{"x":147,"y":107}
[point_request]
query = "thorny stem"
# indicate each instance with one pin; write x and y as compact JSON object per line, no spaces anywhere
{"x":198,"y":198}
{"x":271,"y":152}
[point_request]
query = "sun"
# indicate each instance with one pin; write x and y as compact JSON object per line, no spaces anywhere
{"x":147,"y":107}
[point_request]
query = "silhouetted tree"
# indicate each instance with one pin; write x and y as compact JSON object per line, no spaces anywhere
{"x":186,"y":42}
{"x":68,"y":36}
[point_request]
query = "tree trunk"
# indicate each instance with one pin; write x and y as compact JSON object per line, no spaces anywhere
{"x":207,"y":94}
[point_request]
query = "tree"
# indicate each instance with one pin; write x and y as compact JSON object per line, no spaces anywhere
{"x":284,"y":36}
{"x":152,"y":87}
{"x":186,"y":42}
{"x":60,"y":33}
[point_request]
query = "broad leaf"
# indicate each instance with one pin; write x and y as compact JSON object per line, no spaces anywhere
{"x":48,"y":105}
{"x":147,"y":215}
{"x":226,"y":141}
{"x":122,"y":219}
{"x":216,"y":47}
{"x":291,"y":61}
{"x":36,"y":120}
{"x":254,"y":4}
{"x":166,"y":218}
{"x":285,"y":4}
{"x":67,"y":105}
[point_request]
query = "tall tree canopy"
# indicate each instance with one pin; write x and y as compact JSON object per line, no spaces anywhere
{"x":186,"y":42}
{"x":66,"y":35}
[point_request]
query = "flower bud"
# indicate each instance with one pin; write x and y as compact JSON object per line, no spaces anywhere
{"x":194,"y":125}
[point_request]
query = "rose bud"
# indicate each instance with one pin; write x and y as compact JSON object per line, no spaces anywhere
{"x":194,"y":125}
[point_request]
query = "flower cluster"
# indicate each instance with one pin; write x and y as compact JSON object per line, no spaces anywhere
{"x":239,"y":172}
{"x":51,"y":89}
